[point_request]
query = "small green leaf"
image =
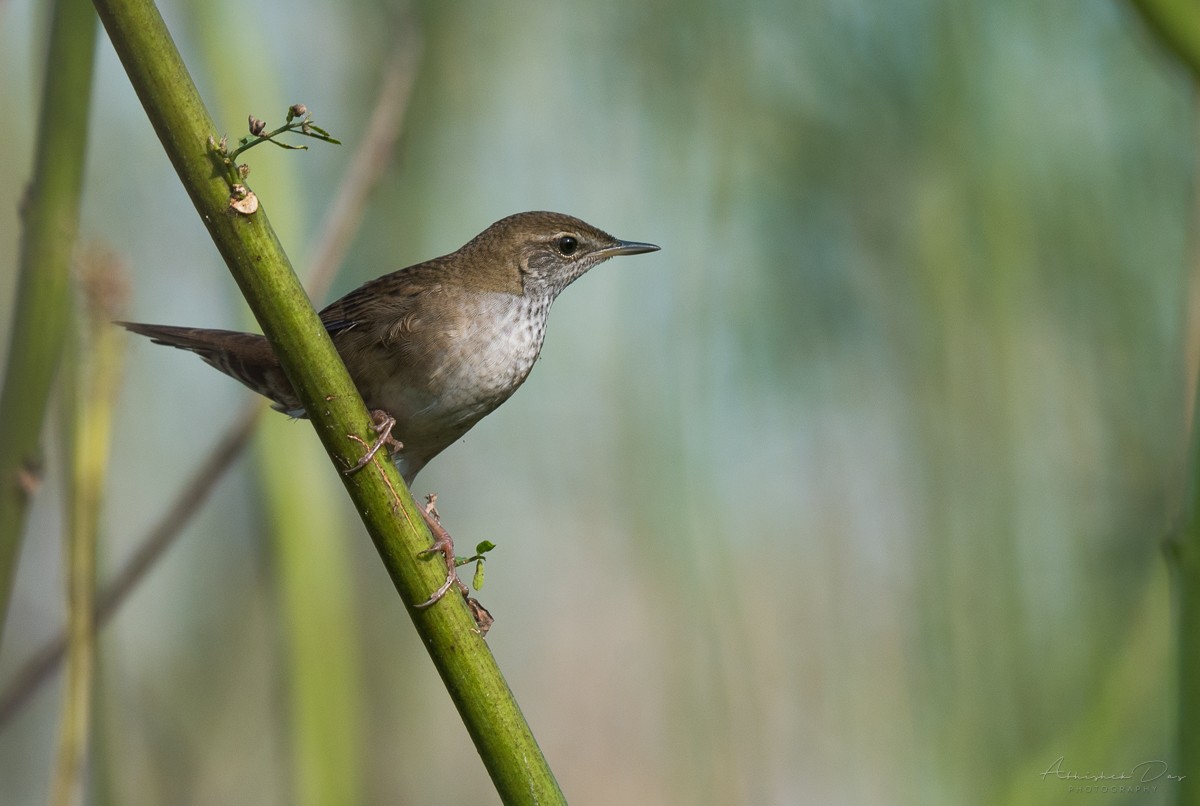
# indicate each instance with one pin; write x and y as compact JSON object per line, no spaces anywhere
{"x":288,"y":146}
{"x":477,"y":580}
{"x":485,"y":547}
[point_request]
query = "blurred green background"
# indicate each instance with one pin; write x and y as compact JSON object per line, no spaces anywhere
{"x":852,"y":494}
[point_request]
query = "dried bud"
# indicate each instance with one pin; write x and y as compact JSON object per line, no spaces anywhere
{"x":483,"y":619}
{"x":257,"y":126}
{"x":297,"y":111}
{"x":224,"y":144}
{"x":243,"y":170}
{"x":243,"y":200}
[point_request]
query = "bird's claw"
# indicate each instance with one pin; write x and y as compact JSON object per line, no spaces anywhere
{"x":382,"y":424}
{"x":443,"y":543}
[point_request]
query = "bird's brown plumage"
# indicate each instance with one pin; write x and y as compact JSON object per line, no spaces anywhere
{"x":437,"y":345}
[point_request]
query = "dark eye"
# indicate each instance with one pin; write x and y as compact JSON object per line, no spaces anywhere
{"x":567,"y":245}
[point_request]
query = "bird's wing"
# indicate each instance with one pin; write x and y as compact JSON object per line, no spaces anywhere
{"x":383,"y":311}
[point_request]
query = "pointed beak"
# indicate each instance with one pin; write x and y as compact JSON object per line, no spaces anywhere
{"x":627,"y":248}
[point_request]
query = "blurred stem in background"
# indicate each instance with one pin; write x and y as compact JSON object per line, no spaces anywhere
{"x":1184,"y":555}
{"x":308,"y":537}
{"x":307,"y":542}
{"x":42,"y":307}
{"x":1177,"y":23}
{"x":90,"y":384}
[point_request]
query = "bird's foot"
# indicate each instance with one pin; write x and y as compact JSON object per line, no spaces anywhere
{"x":382,"y":424}
{"x":443,"y":543}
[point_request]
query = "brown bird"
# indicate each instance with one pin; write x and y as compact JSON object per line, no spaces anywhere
{"x":436,"y":346}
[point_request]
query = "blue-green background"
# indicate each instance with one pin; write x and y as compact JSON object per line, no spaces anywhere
{"x":854,"y":493}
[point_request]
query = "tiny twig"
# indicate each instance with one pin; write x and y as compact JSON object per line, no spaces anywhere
{"x":298,"y":122}
{"x":303,"y":127}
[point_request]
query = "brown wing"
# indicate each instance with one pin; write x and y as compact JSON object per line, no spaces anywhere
{"x":383,"y":313}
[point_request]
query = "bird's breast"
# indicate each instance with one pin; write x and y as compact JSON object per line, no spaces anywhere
{"x":457,"y":368}
{"x":448,"y":371}
{"x":491,"y":348}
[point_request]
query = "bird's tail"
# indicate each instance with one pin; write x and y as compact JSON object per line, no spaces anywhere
{"x":246,"y":357}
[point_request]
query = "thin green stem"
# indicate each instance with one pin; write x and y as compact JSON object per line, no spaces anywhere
{"x":305,"y":127}
{"x":1177,"y":24}
{"x":1183,"y":556}
{"x":90,"y":384}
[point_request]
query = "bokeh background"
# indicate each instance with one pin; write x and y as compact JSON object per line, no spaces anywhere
{"x":854,"y":493}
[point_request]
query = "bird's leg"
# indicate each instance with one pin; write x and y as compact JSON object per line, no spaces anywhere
{"x":382,"y":424}
{"x":443,"y":543}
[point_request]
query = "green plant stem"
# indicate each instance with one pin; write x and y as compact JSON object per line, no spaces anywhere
{"x":258,"y":263}
{"x":41,"y":306}
{"x":80,"y":564}
{"x":1177,"y":24}
{"x":1184,"y":559}
{"x":299,"y":127}
{"x":90,"y":383}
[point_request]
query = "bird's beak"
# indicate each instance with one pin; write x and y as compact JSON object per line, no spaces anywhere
{"x":627,"y":248}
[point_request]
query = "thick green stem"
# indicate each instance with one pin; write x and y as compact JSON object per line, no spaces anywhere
{"x":51,"y":211}
{"x":258,"y":263}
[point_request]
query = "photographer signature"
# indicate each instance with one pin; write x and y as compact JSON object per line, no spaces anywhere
{"x":1141,"y":773}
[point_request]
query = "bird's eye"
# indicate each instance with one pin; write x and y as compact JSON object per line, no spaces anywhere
{"x":567,"y":245}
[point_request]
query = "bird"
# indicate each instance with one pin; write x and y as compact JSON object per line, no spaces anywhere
{"x":434,"y":347}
